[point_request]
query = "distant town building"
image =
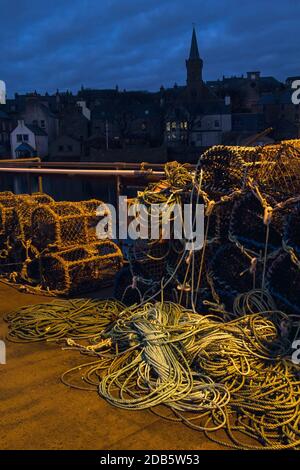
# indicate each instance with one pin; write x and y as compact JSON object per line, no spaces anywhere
{"x":28,"y":141}
{"x":179,"y":122}
{"x":65,"y":148}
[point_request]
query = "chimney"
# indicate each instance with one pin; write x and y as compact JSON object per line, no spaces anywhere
{"x":253,"y":75}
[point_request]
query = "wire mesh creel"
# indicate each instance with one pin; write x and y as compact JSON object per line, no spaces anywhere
{"x":65,"y":224}
{"x":78,"y":269}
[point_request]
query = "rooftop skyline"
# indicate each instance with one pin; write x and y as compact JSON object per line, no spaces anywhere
{"x":142,"y":44}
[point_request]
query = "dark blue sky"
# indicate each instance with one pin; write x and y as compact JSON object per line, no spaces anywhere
{"x":141,"y":44}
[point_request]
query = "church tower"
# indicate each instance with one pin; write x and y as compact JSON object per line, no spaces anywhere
{"x":194,"y":66}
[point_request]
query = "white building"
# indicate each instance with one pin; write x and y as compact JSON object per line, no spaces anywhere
{"x":208,"y":130}
{"x":28,"y":141}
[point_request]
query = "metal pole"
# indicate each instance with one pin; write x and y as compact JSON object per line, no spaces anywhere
{"x":68,"y":171}
{"x":106,"y":133}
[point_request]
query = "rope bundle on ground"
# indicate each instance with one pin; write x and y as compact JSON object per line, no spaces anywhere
{"x":234,"y":377}
{"x":77,"y":318}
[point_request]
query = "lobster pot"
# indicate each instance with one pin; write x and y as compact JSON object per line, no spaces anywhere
{"x":229,"y":274}
{"x":81,"y":269}
{"x":94,"y":211}
{"x":25,"y":205}
{"x":148,"y":260}
{"x":131,"y":289}
{"x":61,"y":224}
{"x":9,"y":229}
{"x":66,"y":224}
{"x":223,"y":171}
{"x":8,"y":216}
{"x":291,"y":236}
{"x":294,"y":145}
{"x":221,"y":219}
{"x":283,"y":283}
{"x":278,"y":171}
{"x":247,"y":225}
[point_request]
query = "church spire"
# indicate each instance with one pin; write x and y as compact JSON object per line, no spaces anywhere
{"x":194,"y":66}
{"x":194,"y":51}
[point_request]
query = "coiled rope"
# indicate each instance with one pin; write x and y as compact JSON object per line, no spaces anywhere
{"x":233,"y":376}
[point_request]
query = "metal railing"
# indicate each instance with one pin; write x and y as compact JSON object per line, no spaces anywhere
{"x":133,"y":175}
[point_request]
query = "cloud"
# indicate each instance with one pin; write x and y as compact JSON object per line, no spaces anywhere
{"x":141,"y":44}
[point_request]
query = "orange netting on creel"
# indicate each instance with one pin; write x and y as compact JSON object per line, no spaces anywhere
{"x":25,"y":206}
{"x":77,"y":270}
{"x":36,"y":231}
{"x":277,"y":170}
{"x":63,"y":224}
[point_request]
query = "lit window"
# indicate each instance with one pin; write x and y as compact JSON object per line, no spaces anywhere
{"x":168,"y":126}
{"x":185,"y":125}
{"x":174,"y":125}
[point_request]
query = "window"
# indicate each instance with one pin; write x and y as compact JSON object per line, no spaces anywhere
{"x":25,"y":137}
{"x":217,"y":123}
{"x":19,"y":137}
{"x":60,"y":148}
{"x":43,"y":125}
{"x":168,"y":126}
{"x":174,"y":125}
{"x":297,"y":117}
{"x":70,"y":148}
